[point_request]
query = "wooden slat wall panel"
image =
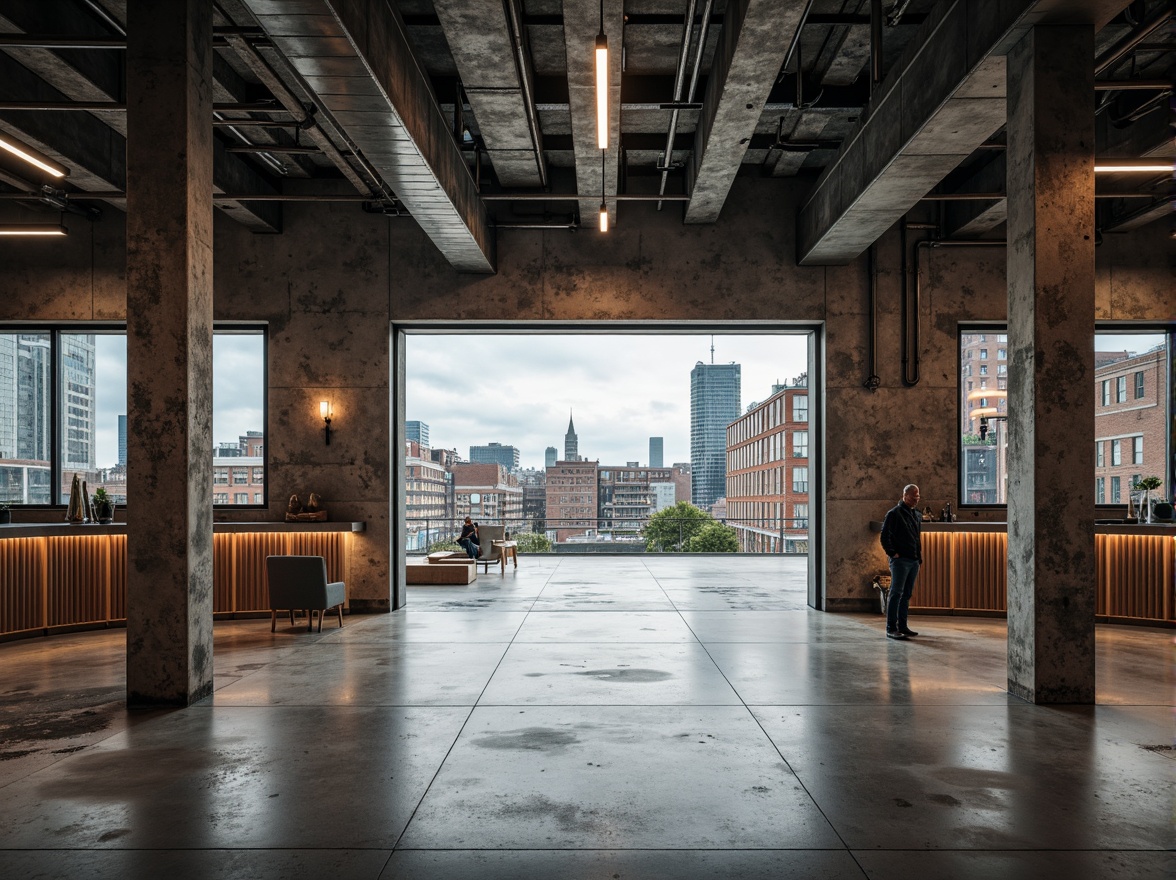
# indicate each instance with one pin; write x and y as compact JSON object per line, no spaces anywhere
{"x":1140,"y":568}
{"x":118,"y":577}
{"x":252,"y":549}
{"x":22,"y":578}
{"x":933,"y":589}
{"x":329,"y":545}
{"x":981,"y":571}
{"x":78,"y":579}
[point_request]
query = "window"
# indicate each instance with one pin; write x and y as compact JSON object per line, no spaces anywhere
{"x":1115,"y":490}
{"x":1121,"y":389}
{"x":800,"y":408}
{"x":1116,"y":452}
{"x":800,"y":516}
{"x":241,"y":498}
{"x":240,"y":478}
{"x":1138,"y":385}
{"x":1099,"y":456}
{"x":1106,"y":392}
{"x":1002,"y":369}
{"x":63,"y":410}
{"x":984,"y":369}
{"x":983,"y":351}
{"x":1003,"y":354}
{"x":800,"y":479}
{"x":1137,"y":450}
{"x":1100,"y":490}
{"x":800,"y":444}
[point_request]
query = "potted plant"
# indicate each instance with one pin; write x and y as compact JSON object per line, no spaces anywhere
{"x":103,"y":507}
{"x":1146,"y":485}
{"x":5,"y":513}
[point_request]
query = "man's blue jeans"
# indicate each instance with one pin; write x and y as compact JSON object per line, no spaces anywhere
{"x":902,"y":582}
{"x":470,"y":547}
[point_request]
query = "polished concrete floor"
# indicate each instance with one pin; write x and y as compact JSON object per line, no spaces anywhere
{"x":591,"y":718}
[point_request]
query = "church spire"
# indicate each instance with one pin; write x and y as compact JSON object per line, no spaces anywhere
{"x":571,"y":442}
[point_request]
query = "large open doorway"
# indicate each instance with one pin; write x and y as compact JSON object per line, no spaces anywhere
{"x":635,"y":405}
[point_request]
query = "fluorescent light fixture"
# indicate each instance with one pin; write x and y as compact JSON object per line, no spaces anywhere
{"x":21,"y":151}
{"x":33,"y":229}
{"x":602,"y":90}
{"x":1117,"y":166}
{"x":603,"y":217}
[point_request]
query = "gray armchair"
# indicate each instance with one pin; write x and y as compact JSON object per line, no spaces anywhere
{"x":490,"y":554}
{"x":300,"y":582}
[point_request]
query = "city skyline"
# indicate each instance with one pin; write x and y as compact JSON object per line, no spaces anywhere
{"x":619,"y":389}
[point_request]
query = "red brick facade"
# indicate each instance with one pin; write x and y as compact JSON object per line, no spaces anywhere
{"x":1130,"y":410}
{"x":571,"y":498}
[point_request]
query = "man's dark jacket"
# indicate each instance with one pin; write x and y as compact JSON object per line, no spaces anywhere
{"x":901,"y":532}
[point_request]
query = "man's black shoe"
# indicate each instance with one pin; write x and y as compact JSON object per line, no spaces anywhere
{"x":895,"y":634}
{"x":908,"y":632}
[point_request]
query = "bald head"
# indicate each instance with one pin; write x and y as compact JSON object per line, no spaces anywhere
{"x":910,"y":494}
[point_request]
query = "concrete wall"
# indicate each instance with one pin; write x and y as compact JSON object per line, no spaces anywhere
{"x":332,"y":282}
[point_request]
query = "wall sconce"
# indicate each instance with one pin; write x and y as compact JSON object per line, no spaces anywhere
{"x":325,"y":412}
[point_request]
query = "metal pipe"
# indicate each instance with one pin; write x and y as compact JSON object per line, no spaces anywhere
{"x":1132,"y":85}
{"x":290,"y":149}
{"x":896,"y":15}
{"x":963,"y":197}
{"x":87,"y":106}
{"x":42,"y":41}
{"x":679,"y":83}
{"x":873,"y":381}
{"x":572,"y":197}
{"x":808,"y":7}
{"x":1121,"y":49}
{"x":570,"y":225}
{"x":106,"y":18}
{"x":875,"y":44}
{"x":520,"y":48}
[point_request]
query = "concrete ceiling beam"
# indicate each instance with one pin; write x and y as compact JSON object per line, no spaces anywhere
{"x":973,"y":219}
{"x":377,"y":95}
{"x":497,"y":80}
{"x":939,"y":103}
{"x":755,"y":37}
{"x":581,"y":25}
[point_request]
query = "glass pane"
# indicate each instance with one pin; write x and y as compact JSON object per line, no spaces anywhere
{"x":983,"y":422}
{"x":1136,"y":423}
{"x":92,"y":397}
{"x":25,"y":418}
{"x":238,"y":416}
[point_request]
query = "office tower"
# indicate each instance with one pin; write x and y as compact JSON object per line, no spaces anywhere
{"x":418,"y":432}
{"x":550,"y":456}
{"x":78,"y":352}
{"x":122,"y":441}
{"x":571,"y":442}
{"x":714,"y":403}
{"x":495,"y":453}
{"x":655,"y":452}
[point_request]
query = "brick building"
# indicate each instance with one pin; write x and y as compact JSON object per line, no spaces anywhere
{"x":571,"y":499}
{"x":683,"y":477}
{"x":238,"y":471}
{"x":768,"y":473}
{"x":428,"y":496}
{"x":488,"y":493}
{"x":625,"y":496}
{"x":1130,"y":409}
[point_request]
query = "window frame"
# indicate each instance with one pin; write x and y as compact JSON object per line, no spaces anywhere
{"x":1103,"y":397}
{"x":56,"y":329}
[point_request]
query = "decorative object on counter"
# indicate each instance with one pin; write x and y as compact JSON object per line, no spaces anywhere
{"x":75,"y":514}
{"x":928,"y":516}
{"x":947,"y":515}
{"x":1161,"y":511}
{"x":103,"y":507}
{"x":5,"y":514}
{"x":1131,"y":515}
{"x":1147,"y":485}
{"x":90,"y":518}
{"x":313,"y":511}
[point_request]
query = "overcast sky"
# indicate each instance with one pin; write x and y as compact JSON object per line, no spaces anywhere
{"x":238,"y":376}
{"x":621,"y":390}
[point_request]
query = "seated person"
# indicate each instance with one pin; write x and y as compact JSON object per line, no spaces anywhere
{"x":469,"y":539}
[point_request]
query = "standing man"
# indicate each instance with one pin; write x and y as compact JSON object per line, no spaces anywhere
{"x":902,"y":541}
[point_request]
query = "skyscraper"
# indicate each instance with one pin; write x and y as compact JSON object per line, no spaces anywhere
{"x":122,"y":441}
{"x":714,"y":403}
{"x":496,"y":453}
{"x":550,"y":454}
{"x":418,"y":432}
{"x":655,"y":452}
{"x":571,"y":442}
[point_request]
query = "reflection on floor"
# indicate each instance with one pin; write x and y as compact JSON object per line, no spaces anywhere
{"x":605,"y":718}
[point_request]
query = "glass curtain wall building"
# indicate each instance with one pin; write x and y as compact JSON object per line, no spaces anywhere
{"x":714,"y":404}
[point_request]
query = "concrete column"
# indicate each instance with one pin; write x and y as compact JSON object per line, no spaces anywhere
{"x":1050,"y":182}
{"x":169,"y":352}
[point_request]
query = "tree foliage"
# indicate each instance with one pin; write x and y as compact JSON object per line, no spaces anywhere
{"x":533,"y":542}
{"x":444,"y":544}
{"x":715,"y":537}
{"x":673,"y":524}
